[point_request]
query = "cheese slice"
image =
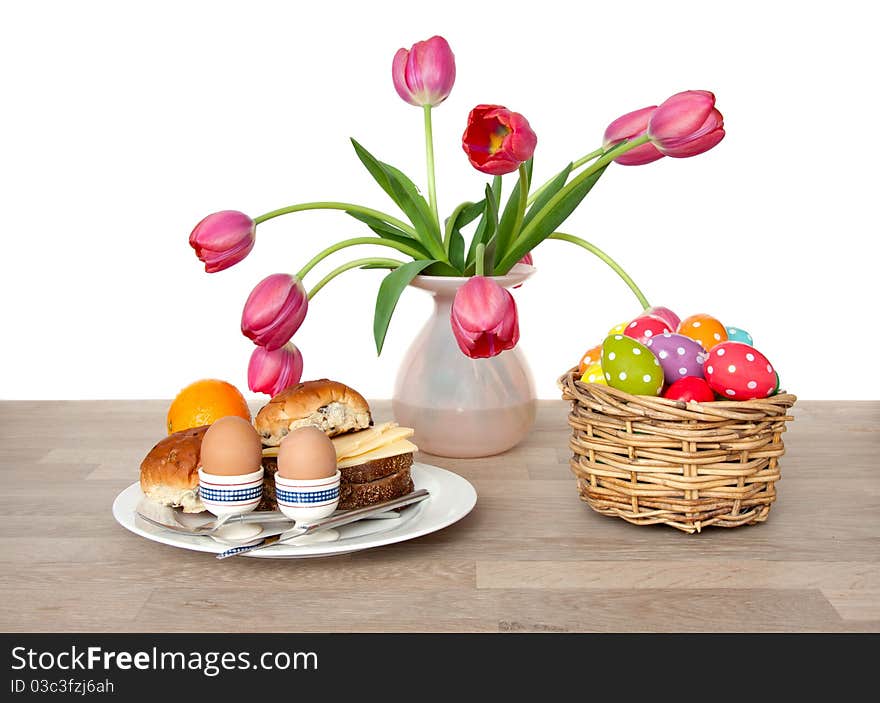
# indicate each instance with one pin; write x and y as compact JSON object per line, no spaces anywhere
{"x":356,"y":444}
{"x":401,"y":446}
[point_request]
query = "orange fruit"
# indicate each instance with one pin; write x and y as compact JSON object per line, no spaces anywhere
{"x":203,"y":402}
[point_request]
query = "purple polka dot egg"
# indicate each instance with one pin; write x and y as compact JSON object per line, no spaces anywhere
{"x":679,"y":356}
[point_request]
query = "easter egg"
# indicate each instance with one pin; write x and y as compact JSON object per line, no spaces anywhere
{"x":665,"y":314}
{"x":738,"y":371}
{"x":645,"y":326}
{"x":735,"y":334}
{"x":591,"y":356}
{"x":618,"y":329}
{"x":690,"y":388}
{"x":593,"y":374}
{"x":703,"y":328}
{"x":679,"y":356}
{"x":630,"y":366}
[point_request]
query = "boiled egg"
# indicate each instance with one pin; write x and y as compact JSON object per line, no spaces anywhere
{"x":231,"y":447}
{"x":305,"y":454}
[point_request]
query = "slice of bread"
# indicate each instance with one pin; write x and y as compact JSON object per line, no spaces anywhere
{"x":360,"y":485}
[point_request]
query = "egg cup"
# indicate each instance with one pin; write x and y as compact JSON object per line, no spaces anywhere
{"x":231,"y":495}
{"x":304,"y":500}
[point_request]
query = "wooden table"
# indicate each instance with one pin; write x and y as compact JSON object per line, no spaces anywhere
{"x":530,"y":557}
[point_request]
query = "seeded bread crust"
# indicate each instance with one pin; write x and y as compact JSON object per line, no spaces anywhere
{"x":332,"y":407}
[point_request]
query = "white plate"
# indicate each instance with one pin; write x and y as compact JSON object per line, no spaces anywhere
{"x":452,"y":497}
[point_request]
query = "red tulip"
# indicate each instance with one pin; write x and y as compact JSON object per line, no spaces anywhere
{"x":424,"y":75}
{"x":686,"y":124}
{"x":484,"y":318}
{"x":223,"y":239}
{"x":271,"y":372}
{"x":630,"y":126}
{"x":497,"y":140}
{"x":274,"y":310}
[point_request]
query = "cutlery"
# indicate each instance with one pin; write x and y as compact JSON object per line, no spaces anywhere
{"x":167,"y":519}
{"x":337,"y":520}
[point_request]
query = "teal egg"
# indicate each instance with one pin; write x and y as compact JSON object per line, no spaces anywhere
{"x":735,"y":334}
{"x":630,"y":366}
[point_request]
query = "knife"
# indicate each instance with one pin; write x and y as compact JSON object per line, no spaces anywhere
{"x":329,"y":522}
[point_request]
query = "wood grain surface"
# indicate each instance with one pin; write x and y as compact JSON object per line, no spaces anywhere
{"x":530,"y":557}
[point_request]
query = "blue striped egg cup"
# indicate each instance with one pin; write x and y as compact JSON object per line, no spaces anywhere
{"x":303,"y":500}
{"x":231,"y":495}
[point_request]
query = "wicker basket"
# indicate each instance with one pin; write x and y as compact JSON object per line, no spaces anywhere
{"x":688,"y":465}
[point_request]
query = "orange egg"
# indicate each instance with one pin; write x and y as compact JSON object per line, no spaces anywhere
{"x":231,"y":447}
{"x":305,"y":454}
{"x":703,"y":328}
{"x":590,"y":358}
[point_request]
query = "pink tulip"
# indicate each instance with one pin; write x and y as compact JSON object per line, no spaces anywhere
{"x":630,"y":126}
{"x":484,"y":318}
{"x":686,"y":124}
{"x":497,"y":140}
{"x":223,"y":239}
{"x":271,"y":372}
{"x":274,"y":310}
{"x":424,"y":75}
{"x":527,"y":259}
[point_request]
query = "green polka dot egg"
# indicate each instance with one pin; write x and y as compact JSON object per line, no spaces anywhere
{"x":630,"y":366}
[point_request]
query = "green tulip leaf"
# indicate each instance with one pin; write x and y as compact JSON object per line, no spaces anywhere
{"x":551,"y":189}
{"x":545,"y":222}
{"x":389,"y":232}
{"x":389,"y":293}
{"x":508,"y":218}
{"x":462,"y":216}
{"x":484,"y":231}
{"x":406,"y":196}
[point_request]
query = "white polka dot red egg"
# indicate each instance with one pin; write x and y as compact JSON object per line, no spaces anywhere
{"x":655,"y":355}
{"x":738,"y":371}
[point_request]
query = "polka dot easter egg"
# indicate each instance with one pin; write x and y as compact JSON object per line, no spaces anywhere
{"x":665,"y":314}
{"x":690,"y":388}
{"x":735,"y":334}
{"x":703,"y":328}
{"x":630,"y":366}
{"x":646,"y":326}
{"x":618,"y":329}
{"x":590,"y":357}
{"x":593,"y":374}
{"x":738,"y":371}
{"x":679,"y":356}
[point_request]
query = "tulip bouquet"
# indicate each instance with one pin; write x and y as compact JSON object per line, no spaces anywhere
{"x":497,"y":141}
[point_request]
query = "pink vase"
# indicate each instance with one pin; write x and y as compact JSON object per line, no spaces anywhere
{"x":462,"y":407}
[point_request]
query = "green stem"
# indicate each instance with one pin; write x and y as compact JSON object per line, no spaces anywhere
{"x":592,"y":248}
{"x":429,"y":157}
{"x":354,"y":241}
{"x":327,"y":205}
{"x":576,"y":165}
{"x":479,"y":258}
{"x":523,"y":196}
{"x":609,"y":156}
{"x":357,"y":263}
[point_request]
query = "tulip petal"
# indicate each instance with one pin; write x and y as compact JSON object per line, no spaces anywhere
{"x":682,"y":114}
{"x":398,"y":75}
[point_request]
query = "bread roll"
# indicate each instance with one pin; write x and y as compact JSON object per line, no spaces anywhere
{"x":328,"y":405}
{"x":169,"y":473}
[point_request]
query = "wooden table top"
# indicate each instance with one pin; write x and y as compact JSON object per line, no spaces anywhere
{"x":530,"y":557}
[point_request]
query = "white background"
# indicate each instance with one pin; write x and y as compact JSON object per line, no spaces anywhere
{"x":123,"y":124}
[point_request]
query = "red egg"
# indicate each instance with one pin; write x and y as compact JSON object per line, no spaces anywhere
{"x":690,"y":388}
{"x":738,"y":371}
{"x":646,"y":326}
